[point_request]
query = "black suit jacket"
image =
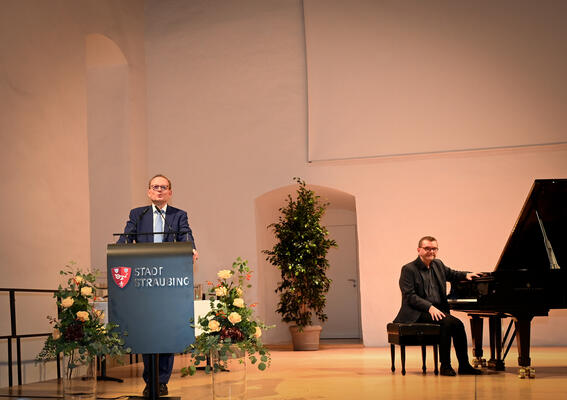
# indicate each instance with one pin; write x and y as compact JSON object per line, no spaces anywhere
{"x":414,"y":300}
{"x":141,"y":222}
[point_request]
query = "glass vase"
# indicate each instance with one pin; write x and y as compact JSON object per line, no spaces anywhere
{"x":79,"y":376}
{"x":229,"y":383}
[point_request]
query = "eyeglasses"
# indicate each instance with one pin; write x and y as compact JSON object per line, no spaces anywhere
{"x":430,"y":248}
{"x":157,"y":188}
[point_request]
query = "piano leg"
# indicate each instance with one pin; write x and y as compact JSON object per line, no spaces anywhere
{"x":495,"y":333}
{"x":476,"y":336}
{"x":523,"y":329}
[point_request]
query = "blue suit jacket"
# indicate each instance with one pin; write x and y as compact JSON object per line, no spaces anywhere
{"x":141,"y":223}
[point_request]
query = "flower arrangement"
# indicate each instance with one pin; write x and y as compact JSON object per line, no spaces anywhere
{"x":79,"y":331}
{"x":229,"y":328}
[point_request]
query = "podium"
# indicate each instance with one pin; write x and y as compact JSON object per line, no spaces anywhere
{"x":150,"y":295}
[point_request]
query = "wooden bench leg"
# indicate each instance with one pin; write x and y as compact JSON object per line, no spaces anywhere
{"x":403,"y":350}
{"x":423,"y":357}
{"x":436,"y":359}
{"x":393,"y":356}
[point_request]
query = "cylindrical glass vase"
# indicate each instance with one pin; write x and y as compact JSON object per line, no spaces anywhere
{"x":79,"y":376}
{"x":229,"y":383}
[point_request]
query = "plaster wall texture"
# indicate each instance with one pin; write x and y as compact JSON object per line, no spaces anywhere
{"x":227,"y":120}
{"x":45,"y":152}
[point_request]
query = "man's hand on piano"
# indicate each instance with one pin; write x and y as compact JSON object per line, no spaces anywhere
{"x":471,"y":275}
{"x":436,"y":314}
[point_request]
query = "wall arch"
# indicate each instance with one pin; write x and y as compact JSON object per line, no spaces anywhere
{"x":107,"y":76}
{"x":341,"y":218}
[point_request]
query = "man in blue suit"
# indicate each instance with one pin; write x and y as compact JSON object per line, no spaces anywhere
{"x":158,"y":217}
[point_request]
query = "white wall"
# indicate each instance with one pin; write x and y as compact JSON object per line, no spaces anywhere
{"x":46,"y":208}
{"x":227,"y":120}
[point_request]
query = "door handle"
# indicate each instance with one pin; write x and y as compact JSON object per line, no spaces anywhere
{"x":353,"y":282}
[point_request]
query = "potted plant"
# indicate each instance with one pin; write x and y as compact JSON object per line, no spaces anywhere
{"x":300,"y":254}
{"x":230,"y":334}
{"x":79,"y":333}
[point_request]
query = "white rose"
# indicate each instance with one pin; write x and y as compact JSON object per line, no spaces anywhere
{"x":224,"y":274}
{"x":238,"y":302}
{"x":221,"y":291}
{"x":67,"y":302}
{"x":214,"y":325}
{"x":234,"y":318}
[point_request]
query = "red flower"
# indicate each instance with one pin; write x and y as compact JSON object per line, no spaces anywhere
{"x":233,"y":333}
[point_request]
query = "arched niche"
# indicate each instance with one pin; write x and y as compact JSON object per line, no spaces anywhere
{"x":107,"y":77}
{"x":340,"y":220}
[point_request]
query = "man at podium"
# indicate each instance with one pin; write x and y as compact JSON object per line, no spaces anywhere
{"x":161,"y":218}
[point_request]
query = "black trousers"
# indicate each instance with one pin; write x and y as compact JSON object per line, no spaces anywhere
{"x":451,"y":328}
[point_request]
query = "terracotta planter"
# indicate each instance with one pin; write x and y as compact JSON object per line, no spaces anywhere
{"x":307,"y":340}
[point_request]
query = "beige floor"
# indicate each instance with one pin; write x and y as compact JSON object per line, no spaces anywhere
{"x":347,"y":371}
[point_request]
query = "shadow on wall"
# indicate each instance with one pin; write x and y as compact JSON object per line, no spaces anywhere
{"x":340,"y":216}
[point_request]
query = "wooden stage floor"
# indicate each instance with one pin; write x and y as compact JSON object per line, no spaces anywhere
{"x":345,"y":371}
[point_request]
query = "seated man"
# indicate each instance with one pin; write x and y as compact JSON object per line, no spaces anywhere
{"x":424,"y":299}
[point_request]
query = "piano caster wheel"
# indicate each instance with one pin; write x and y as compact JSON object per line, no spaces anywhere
{"x":526,"y":372}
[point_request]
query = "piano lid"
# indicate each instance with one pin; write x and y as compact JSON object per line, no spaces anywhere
{"x":538,"y":241}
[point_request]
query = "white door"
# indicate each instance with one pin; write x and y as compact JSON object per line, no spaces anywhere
{"x":343,"y":304}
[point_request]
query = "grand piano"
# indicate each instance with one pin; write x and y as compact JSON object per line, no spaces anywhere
{"x":527,"y":282}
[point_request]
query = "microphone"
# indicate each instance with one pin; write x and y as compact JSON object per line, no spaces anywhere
{"x":165,"y":222}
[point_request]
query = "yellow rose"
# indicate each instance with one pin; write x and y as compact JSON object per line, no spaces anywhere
{"x":224,"y":274}
{"x":99,"y":314}
{"x":239,"y":292}
{"x":258,"y":332}
{"x":82,"y":316}
{"x":238,"y":302}
{"x":86,"y":291}
{"x":234,"y":318}
{"x":56,"y":334}
{"x":214,"y":325}
{"x":221,"y":291}
{"x":79,"y":279}
{"x":67,"y":302}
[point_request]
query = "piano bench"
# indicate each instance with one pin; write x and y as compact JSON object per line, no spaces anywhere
{"x":413,"y":334}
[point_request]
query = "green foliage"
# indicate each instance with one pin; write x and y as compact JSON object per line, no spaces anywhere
{"x":229,"y":328}
{"x":300,"y":255}
{"x":78,"y":325}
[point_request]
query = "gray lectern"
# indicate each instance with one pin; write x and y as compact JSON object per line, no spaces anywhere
{"x":150,"y":295}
